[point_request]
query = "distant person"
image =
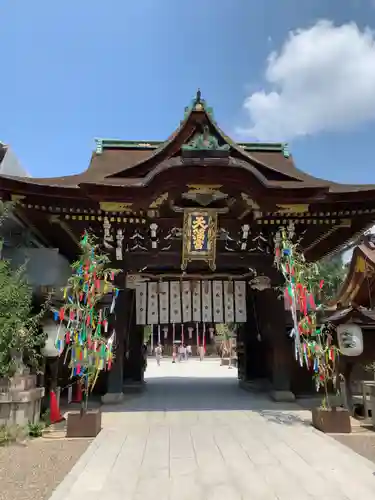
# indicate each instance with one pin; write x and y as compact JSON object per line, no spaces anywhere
{"x":201,"y":352}
{"x":188,"y":351}
{"x":181,"y":352}
{"x":158,"y":353}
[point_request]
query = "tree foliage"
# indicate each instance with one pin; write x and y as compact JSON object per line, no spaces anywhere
{"x":333,"y":272}
{"x":19,"y":326}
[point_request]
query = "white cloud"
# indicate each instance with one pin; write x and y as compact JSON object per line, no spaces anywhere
{"x":322,"y":79}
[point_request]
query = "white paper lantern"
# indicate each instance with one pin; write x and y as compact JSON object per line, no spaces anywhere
{"x":50,"y":328}
{"x":350,"y":339}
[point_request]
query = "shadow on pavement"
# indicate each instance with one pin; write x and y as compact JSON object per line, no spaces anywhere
{"x":204,"y":394}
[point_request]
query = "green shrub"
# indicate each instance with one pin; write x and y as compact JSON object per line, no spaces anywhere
{"x":35,"y":430}
{"x":10,"y":434}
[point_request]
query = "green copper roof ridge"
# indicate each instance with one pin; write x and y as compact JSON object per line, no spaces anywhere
{"x":124,"y":141}
{"x":279,"y":145}
{"x":274,"y":145}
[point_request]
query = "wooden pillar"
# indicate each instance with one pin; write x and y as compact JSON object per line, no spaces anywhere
{"x":271,"y":314}
{"x":115,"y":378}
{"x":136,"y":355}
{"x":346,"y":369}
{"x":129,"y":305}
{"x":133,"y":361}
{"x":255,"y":344}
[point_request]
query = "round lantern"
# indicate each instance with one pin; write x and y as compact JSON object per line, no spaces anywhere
{"x":49,"y":350}
{"x":350,"y":339}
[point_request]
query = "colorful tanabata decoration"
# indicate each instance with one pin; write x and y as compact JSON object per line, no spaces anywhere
{"x":313,"y":344}
{"x":86,"y":334}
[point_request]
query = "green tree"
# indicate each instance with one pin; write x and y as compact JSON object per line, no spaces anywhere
{"x":333,"y":271}
{"x":226,"y":332}
{"x":21,"y":337}
{"x":147,"y":332}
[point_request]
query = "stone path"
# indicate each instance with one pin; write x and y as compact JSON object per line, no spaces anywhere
{"x":194,"y":435}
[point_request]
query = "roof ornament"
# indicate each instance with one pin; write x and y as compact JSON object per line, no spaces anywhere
{"x":286,"y":150}
{"x":99,"y":146}
{"x":203,"y":141}
{"x":198,"y":103}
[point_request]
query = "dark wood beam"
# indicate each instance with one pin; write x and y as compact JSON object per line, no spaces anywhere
{"x":28,"y":222}
{"x":135,"y":261}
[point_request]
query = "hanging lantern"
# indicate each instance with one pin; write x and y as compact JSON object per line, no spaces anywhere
{"x":165,"y":330}
{"x":350,"y":339}
{"x":51,"y":329}
{"x":190,"y":330}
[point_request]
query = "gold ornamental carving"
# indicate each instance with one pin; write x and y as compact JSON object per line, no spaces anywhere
{"x":292,"y":209}
{"x":204,"y":194}
{"x":360,"y":265}
{"x":113,"y":206}
{"x":159,"y":201}
{"x":199,"y":237}
{"x":204,"y":188}
{"x":17,"y":197}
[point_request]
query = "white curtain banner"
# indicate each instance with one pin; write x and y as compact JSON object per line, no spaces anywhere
{"x":152,"y":309}
{"x":206,"y":301}
{"x":186,"y":301}
{"x":175,"y":301}
{"x":218,"y":301}
{"x":240,"y":301}
{"x":164,"y":302}
{"x":196,"y":295}
{"x":141,"y":301}
{"x":229,"y":301}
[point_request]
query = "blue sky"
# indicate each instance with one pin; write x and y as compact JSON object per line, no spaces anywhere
{"x":75,"y":70}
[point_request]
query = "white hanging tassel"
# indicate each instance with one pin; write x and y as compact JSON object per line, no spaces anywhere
{"x":58,"y":338}
{"x":111,"y":340}
{"x":113,"y":305}
{"x":70,"y":394}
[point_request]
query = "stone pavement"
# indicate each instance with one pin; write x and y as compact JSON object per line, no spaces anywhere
{"x":194,"y":435}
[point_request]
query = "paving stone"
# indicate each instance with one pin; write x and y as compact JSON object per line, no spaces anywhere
{"x":186,"y":488}
{"x":193,"y":434}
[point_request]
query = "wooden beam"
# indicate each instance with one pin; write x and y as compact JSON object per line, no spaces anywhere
{"x":233,"y":261}
{"x":26,"y":221}
{"x":55,"y":219}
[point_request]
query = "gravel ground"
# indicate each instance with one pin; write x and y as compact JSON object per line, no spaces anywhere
{"x":363,"y":444}
{"x":32,"y":471}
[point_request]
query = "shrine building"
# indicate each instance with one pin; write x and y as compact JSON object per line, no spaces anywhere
{"x":192,"y":221}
